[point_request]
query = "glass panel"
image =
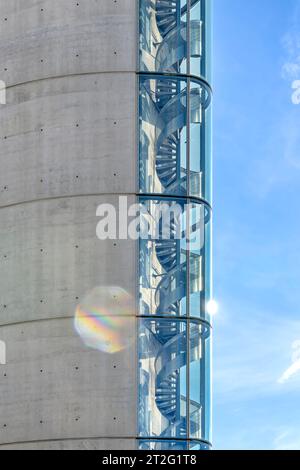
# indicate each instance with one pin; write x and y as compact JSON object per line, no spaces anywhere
{"x":165,"y":249}
{"x":207,"y":259}
{"x":174,"y":156}
{"x":207,"y":425}
{"x":163,"y":119}
{"x":147,"y":48}
{"x":200,"y":143}
{"x":196,"y":258}
{"x":163,"y":258}
{"x":206,"y":67}
{"x":196,"y":37}
{"x":162,"y":378}
{"x":206,"y":153}
{"x":199,"y":381}
{"x":163,"y":138}
{"x":197,"y":142}
{"x":199,"y":260}
{"x":163,"y":36}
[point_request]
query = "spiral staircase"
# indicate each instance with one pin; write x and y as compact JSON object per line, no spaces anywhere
{"x":170,"y":104}
{"x":171,"y":22}
{"x":172,"y":286}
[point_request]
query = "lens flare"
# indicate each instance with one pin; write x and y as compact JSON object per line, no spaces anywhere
{"x":104,"y":319}
{"x":212,"y":308}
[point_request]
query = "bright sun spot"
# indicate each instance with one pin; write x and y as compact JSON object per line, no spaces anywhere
{"x":212,"y":307}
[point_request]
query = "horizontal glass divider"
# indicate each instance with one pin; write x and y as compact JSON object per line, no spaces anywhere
{"x":194,"y":78}
{"x":199,"y":321}
{"x":174,"y":439}
{"x":159,"y":196}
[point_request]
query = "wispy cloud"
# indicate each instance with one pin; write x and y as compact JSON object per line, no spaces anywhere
{"x":295,"y":367}
{"x":287,"y":439}
{"x":282,"y":139}
{"x":291,"y":44}
{"x":290,"y":372}
{"x":291,"y":67}
{"x":250,"y":353}
{"x":256,"y":382}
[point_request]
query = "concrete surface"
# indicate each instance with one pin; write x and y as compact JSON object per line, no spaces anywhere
{"x":67,"y":144}
{"x":54,"y":387}
{"x":68,"y":136}
{"x":51,"y":257}
{"x":50,"y":38}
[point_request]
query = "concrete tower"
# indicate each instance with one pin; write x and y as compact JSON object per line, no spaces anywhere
{"x":107,"y":341}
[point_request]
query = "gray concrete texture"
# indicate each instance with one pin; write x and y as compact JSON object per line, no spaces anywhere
{"x":67,"y":144}
{"x":50,"y":38}
{"x":68,"y":136}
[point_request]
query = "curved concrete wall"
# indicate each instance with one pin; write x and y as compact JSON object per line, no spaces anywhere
{"x":55,"y":388}
{"x":50,"y":38}
{"x":67,"y":136}
{"x":67,"y":144}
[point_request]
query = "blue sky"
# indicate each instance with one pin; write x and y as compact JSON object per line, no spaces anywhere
{"x":256,"y":224}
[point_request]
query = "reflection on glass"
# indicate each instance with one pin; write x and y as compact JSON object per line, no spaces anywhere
{"x":104,"y":319}
{"x":172,"y":352}
{"x":197,"y":145}
{"x":175,"y":255}
{"x":175,"y":272}
{"x":162,"y":359}
{"x":163,"y":260}
{"x":199,"y":381}
{"x":200,"y":261}
{"x":167,"y":28}
{"x":200,"y":144}
{"x":206,"y":12}
{"x":206,"y":146}
{"x":163,"y":138}
{"x":163,"y":35}
{"x":166,"y":140}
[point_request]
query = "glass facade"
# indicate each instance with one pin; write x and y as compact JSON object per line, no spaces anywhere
{"x":175,"y":36}
{"x":175,"y":136}
{"x":175,"y":192}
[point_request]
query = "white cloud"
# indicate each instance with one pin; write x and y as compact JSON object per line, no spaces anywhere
{"x":295,"y":367}
{"x":291,"y":44}
{"x":251,"y":348}
{"x":287,"y":439}
{"x":290,"y":372}
{"x":296,"y":94}
{"x":291,"y":70}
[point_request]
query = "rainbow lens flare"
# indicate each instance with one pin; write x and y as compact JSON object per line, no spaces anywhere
{"x":104,"y":319}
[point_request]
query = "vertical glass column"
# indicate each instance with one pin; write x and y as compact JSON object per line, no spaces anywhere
{"x":175,"y":136}
{"x":175,"y":37}
{"x":175,"y":257}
